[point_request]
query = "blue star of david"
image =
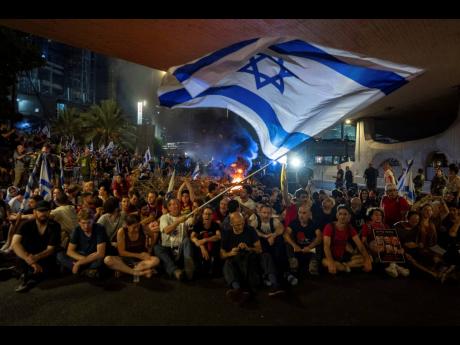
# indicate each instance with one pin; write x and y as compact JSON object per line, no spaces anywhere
{"x":262,"y":79}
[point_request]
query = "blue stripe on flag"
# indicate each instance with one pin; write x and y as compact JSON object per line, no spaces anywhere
{"x":184,"y":72}
{"x":46,"y":183}
{"x":278,"y":135}
{"x":385,"y":81}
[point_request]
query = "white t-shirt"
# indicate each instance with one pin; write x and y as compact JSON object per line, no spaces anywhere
{"x":174,"y":238}
{"x":389,"y":177}
{"x":264,"y":227}
{"x":66,"y":216}
{"x":249,"y":203}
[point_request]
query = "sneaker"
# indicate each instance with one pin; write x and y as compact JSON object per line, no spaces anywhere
{"x":291,"y":279}
{"x":447,"y":273}
{"x":293,"y":264}
{"x":25,"y":286}
{"x":392,"y":271}
{"x":179,"y":274}
{"x":267,"y":283}
{"x":402,"y":271}
{"x":91,"y":273}
{"x":237,"y":295}
{"x":189,"y":268}
{"x":274,"y":292}
{"x":347,"y":268}
{"x":6,"y":272}
{"x":313,"y":267}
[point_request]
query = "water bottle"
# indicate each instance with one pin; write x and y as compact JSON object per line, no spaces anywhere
{"x":136,"y":276}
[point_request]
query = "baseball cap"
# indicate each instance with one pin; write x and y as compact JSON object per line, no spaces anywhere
{"x":43,"y":206}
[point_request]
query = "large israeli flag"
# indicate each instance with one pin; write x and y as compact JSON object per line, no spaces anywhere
{"x":287,"y":89}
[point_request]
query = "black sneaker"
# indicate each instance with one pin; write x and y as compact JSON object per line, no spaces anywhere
{"x":25,"y":286}
{"x":237,"y":295}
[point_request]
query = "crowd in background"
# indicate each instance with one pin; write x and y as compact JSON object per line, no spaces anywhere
{"x":114,"y":213}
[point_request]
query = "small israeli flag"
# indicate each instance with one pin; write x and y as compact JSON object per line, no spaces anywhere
{"x":45,"y":184}
{"x":196,"y":172}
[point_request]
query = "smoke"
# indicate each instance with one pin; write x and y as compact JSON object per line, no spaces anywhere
{"x":133,"y":83}
{"x":218,"y":135}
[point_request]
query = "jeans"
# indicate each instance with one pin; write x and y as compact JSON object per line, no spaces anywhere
{"x":168,"y":259}
{"x":66,"y":261}
{"x":212,"y":266}
{"x":302,"y":258}
{"x":48,"y":264}
{"x":246,"y":268}
{"x":277,"y":252}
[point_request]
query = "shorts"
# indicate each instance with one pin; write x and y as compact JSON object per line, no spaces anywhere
{"x":131,"y":262}
{"x":345,"y":257}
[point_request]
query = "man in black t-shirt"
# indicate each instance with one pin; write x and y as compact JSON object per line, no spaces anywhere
{"x":206,"y":239}
{"x":339,"y":177}
{"x":370,"y":175}
{"x":303,"y":238}
{"x":86,"y":250}
{"x":35,"y":243}
{"x":242,"y":252}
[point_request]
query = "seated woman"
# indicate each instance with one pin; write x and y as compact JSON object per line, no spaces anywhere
{"x":375,"y":222}
{"x":134,"y":257}
{"x":419,"y":246}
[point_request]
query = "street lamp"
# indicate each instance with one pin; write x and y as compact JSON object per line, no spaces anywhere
{"x":140,"y":106}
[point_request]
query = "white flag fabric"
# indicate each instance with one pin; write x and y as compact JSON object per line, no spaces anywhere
{"x":406,"y":184}
{"x":45,"y":180}
{"x":30,"y":184}
{"x":147,"y":155}
{"x":289,"y":90}
{"x":171,"y":181}
{"x":46,"y":130}
{"x":196,"y":172}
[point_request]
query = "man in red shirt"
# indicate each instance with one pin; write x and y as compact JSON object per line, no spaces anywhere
{"x":335,"y":239}
{"x":394,"y":206}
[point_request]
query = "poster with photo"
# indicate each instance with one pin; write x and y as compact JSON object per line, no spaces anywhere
{"x":389,"y":246}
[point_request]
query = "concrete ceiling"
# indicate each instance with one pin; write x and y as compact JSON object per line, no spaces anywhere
{"x":431,"y":44}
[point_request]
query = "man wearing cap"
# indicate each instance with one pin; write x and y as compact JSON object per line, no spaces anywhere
{"x":35,"y":243}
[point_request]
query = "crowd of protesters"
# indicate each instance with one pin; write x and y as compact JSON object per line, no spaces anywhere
{"x":115,"y":215}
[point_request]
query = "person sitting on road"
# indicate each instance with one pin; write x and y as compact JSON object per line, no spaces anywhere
{"x":86,"y":251}
{"x":134,"y":257}
{"x":335,"y":239}
{"x":303,"y":237}
{"x":242,"y":252}
{"x":35,"y":243}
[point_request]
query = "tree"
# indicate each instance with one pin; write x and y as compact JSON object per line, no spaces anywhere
{"x":67,"y":124}
{"x":157,"y":147}
{"x":105,"y":122}
{"x":18,"y":54}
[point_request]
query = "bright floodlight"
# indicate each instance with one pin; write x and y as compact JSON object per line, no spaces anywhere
{"x":347,"y":122}
{"x":296,"y":162}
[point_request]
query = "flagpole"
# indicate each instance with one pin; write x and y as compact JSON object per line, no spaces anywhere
{"x":226,"y":190}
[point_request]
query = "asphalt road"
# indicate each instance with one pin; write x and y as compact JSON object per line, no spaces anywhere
{"x":351,"y":299}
